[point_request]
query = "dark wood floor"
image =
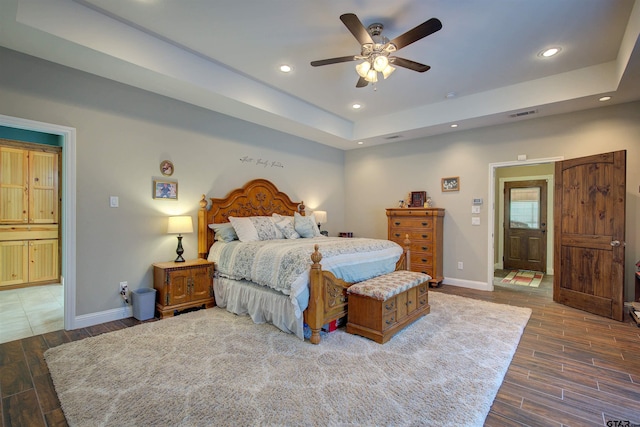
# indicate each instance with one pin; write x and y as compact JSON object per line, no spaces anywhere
{"x":570,"y":369}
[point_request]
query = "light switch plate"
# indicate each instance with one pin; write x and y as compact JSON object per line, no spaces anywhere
{"x":475,"y":220}
{"x":475,"y":209}
{"x":113,"y":201}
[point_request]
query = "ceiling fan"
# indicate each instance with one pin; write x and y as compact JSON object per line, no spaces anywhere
{"x":376,"y":49}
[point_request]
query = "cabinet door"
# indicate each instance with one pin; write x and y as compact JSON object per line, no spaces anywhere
{"x":43,"y":191}
{"x":201,"y":284}
{"x":178,"y":282}
{"x":14,"y":262}
{"x":13,"y":185}
{"x":43,"y":260}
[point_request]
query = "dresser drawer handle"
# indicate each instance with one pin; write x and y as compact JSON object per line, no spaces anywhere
{"x":397,"y":234}
{"x":397,"y":223}
{"x":389,"y":306}
{"x":424,"y":248}
{"x":424,"y":236}
{"x":424,"y":260}
{"x":390,"y":321}
{"x":425,"y":223}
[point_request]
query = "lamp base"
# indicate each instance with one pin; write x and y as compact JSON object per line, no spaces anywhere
{"x":179,"y":250}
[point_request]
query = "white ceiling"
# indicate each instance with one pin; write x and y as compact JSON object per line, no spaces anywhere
{"x":224,"y":55}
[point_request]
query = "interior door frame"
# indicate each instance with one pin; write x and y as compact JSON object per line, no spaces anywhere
{"x":491,"y":203}
{"x":68,"y":206}
{"x":549,"y":246}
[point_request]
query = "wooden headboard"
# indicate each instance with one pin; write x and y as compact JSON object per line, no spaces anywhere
{"x":256,"y":198}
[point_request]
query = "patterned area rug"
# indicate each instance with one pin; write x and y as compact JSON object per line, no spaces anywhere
{"x":524,"y":278}
{"x":211,"y":367}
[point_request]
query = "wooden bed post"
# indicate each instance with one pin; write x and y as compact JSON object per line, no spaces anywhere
{"x":407,"y":252}
{"x":203,"y":249}
{"x":315,"y":310}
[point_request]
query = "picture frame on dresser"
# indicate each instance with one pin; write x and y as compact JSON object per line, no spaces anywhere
{"x":417,"y":199}
{"x":451,"y":183}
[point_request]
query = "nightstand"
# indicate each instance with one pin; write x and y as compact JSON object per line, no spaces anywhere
{"x":182,"y":285}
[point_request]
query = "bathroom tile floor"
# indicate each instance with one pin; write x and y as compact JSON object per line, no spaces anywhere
{"x":26,"y":312}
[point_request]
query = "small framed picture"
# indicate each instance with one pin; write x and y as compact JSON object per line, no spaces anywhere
{"x":451,"y":184}
{"x":417,"y":199}
{"x":165,"y":190}
{"x":166,"y":168}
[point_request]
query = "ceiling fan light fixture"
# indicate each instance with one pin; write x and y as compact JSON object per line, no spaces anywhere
{"x":387,"y":71}
{"x":363,"y":68}
{"x":372,"y":76}
{"x":380,"y":62}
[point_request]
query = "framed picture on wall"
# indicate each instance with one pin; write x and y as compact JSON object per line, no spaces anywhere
{"x":417,"y":199}
{"x":451,"y":183}
{"x":167,"y":190}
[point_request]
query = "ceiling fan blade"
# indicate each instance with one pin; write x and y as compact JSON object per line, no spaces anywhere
{"x":358,"y":30}
{"x":415,"y":34}
{"x":362,"y":82}
{"x":407,"y":63}
{"x":333,"y":61}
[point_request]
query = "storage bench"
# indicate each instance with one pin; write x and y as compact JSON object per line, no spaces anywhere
{"x":382,"y":306}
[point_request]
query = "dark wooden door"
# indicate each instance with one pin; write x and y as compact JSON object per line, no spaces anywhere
{"x":589,"y":224}
{"x":525,"y":225}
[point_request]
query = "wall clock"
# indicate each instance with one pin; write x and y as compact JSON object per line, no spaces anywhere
{"x":166,"y":168}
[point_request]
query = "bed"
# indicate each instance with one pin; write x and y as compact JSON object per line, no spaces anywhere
{"x":302,"y":292}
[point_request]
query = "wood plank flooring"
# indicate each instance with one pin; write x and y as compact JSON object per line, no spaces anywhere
{"x":570,"y":369}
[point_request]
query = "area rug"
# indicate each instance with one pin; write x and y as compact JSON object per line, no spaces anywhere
{"x":524,"y":278}
{"x":211,"y":367}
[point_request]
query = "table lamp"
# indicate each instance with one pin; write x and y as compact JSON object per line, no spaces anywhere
{"x":321,"y":218}
{"x":180,"y":225}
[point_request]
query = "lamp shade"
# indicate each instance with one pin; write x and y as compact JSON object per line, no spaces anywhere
{"x":321,"y":216}
{"x":180,"y":225}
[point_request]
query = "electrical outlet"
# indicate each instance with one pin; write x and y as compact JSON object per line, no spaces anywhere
{"x":124,"y":292}
{"x":460,"y":265}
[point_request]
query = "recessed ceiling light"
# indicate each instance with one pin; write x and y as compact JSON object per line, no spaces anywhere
{"x":604,"y":98}
{"x":454,"y":125}
{"x":356,"y":106}
{"x":285,"y":68}
{"x":360,"y":142}
{"x":451,"y":95}
{"x":547,"y":53}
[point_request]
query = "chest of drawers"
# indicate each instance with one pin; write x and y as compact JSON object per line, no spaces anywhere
{"x":424,"y":228}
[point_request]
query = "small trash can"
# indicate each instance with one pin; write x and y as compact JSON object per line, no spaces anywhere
{"x":144,"y":303}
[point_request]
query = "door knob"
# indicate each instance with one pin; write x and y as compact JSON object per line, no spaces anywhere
{"x":615,"y":243}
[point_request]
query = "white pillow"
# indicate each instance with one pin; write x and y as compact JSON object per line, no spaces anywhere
{"x":285,"y":224}
{"x":306,"y":226}
{"x":255,"y":228}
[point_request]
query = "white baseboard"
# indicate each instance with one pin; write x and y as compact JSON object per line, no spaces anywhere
{"x":481,"y":286}
{"x":92,"y":319}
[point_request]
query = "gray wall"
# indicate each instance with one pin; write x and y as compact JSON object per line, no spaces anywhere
{"x":122,"y":136}
{"x":377,"y":177}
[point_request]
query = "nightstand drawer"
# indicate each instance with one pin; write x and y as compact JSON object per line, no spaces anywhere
{"x":182,"y":285}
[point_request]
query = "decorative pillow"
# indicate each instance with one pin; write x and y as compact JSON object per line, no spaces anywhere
{"x":224,"y":232}
{"x":306,"y":225}
{"x":285,"y":224}
{"x":255,"y":228}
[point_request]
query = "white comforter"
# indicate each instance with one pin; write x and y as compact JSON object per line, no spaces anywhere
{"x":284,"y":264}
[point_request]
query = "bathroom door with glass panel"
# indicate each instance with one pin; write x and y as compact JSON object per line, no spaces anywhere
{"x":525,"y":225}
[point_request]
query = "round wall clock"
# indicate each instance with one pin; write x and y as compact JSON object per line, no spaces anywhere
{"x":166,"y":167}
